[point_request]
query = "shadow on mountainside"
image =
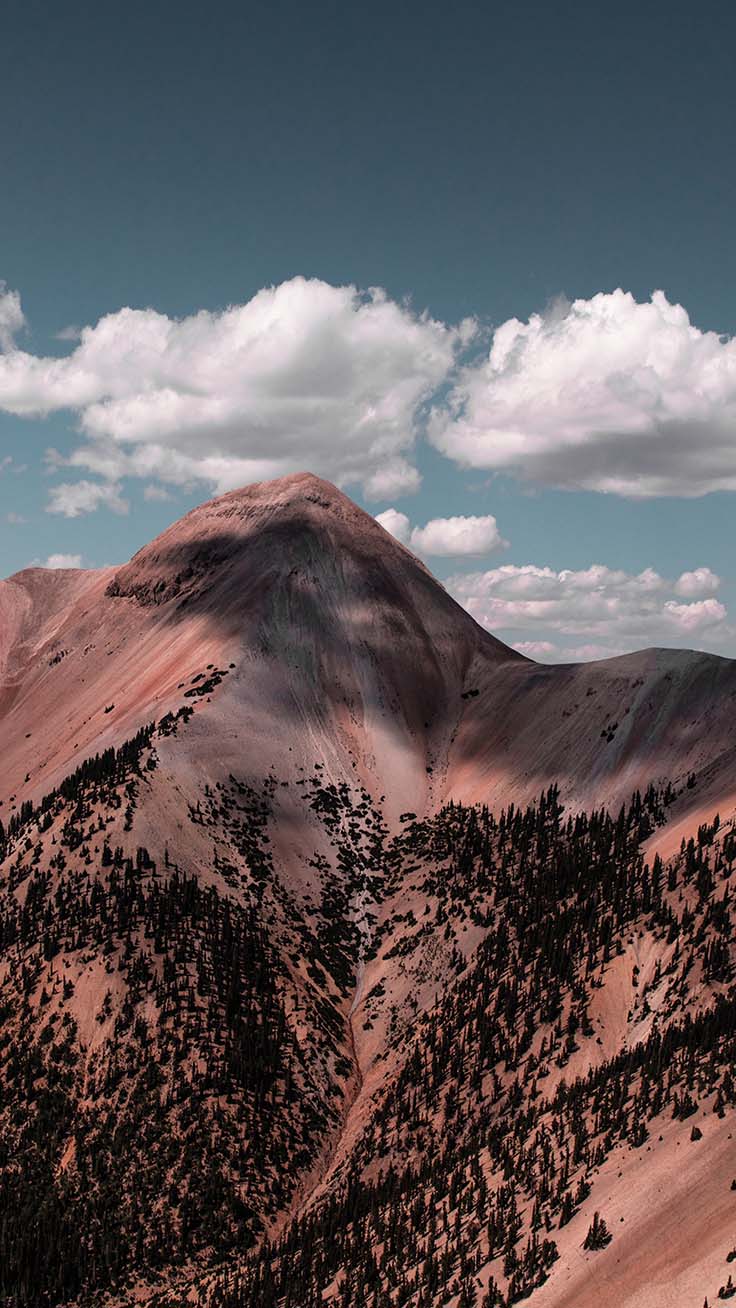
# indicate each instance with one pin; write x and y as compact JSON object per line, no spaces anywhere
{"x":336,"y":622}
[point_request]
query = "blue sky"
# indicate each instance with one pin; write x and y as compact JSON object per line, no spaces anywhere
{"x":499,"y":171}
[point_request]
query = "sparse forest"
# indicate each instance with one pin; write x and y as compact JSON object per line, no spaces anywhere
{"x":177,"y":1052}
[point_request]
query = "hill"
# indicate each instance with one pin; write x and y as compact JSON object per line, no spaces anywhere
{"x":346,"y":956}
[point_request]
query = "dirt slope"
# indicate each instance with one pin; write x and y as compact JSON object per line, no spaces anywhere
{"x":312,"y":684}
{"x":344,"y":642}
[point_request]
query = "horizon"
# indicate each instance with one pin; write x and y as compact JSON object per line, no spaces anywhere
{"x":61,"y":565}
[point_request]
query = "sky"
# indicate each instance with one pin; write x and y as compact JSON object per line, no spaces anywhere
{"x":474,"y":263}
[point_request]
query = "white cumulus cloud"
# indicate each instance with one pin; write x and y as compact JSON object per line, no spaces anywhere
{"x":449,"y":537}
{"x":604,"y":394}
{"x":305,"y":375}
{"x":591,"y":612}
{"x":459,"y":535}
{"x":397,"y":524}
{"x":701,"y":581}
{"x":63,"y":561}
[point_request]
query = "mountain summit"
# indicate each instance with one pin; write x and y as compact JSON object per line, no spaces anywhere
{"x":343,"y":629}
{"x":347,"y":957}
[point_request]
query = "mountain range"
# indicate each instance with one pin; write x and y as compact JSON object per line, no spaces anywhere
{"x":347,"y":956}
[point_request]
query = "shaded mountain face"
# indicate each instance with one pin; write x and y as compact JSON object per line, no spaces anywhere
{"x":346,"y":956}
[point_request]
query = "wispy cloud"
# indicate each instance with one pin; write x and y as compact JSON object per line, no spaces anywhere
{"x":73,"y":499}
{"x":12,"y":319}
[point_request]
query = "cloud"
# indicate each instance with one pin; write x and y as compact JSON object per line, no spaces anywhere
{"x":585,"y":653}
{"x":397,"y":524}
{"x":701,"y":581}
{"x":152,"y":492}
{"x":601,"y":610}
{"x":603,"y":394}
{"x":449,"y":537}
{"x":456,"y":536}
{"x":305,"y":375}
{"x":63,"y":561}
{"x":12,"y":319}
{"x":694,"y":617}
{"x":72,"y":499}
{"x":548,"y":651}
{"x":536,"y":649}
{"x":15,"y":519}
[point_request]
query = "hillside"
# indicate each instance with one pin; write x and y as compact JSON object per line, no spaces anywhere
{"x":347,"y":956}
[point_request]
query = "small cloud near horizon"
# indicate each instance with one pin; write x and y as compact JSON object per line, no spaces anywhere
{"x":57,"y":561}
{"x":594,"y":612}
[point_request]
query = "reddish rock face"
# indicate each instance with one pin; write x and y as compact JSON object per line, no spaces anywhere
{"x":262,"y":923}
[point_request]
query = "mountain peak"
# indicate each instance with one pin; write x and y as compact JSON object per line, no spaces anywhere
{"x":262,"y":532}
{"x":298,"y":493}
{"x":245,"y":930}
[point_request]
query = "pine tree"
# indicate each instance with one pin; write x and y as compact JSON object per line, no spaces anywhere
{"x":598,"y":1234}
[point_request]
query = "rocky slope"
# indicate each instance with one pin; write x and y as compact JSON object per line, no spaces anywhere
{"x":312,"y":989}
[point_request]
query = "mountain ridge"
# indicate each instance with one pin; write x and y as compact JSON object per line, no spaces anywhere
{"x":306,"y":879}
{"x":304,"y":565}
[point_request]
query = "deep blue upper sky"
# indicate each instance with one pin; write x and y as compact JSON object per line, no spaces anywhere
{"x":478,"y":159}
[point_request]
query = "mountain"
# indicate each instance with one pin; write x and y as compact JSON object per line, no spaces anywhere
{"x":346,"y":955}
